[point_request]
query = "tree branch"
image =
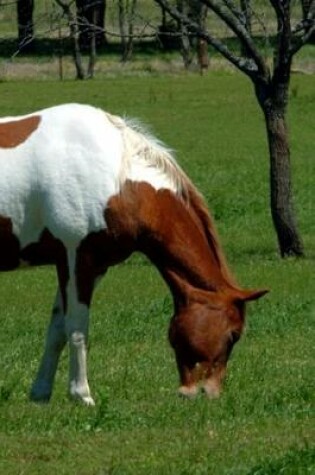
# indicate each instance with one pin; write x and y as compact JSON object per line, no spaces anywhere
{"x":240,"y":31}
{"x":303,"y":30}
{"x":278,"y":7}
{"x":248,"y":66}
{"x":282,"y":56}
{"x":236,"y":12}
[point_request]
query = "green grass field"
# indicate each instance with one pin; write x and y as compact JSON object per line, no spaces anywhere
{"x":263,"y":423}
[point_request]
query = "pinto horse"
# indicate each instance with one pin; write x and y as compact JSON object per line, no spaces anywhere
{"x":83,"y":189}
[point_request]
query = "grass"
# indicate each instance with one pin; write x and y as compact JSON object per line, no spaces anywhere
{"x":263,"y":422}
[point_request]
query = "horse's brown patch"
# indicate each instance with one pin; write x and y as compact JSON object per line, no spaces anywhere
{"x":162,"y":226}
{"x":15,"y":132}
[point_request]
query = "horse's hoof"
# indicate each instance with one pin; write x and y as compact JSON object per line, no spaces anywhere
{"x":88,"y":401}
{"x":40,"y":393}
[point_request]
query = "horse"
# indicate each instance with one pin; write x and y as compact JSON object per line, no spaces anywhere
{"x":82,"y":190}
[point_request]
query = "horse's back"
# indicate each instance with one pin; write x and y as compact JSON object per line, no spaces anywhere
{"x":60,"y":167}
{"x":62,"y":175}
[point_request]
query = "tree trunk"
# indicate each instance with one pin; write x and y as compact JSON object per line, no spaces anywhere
{"x":126,"y":10}
{"x":74,"y":34}
{"x":202,"y":54}
{"x":282,"y":210}
{"x":92,"y":58}
{"x":200,"y":15}
{"x":25,"y":23}
{"x":185,"y":48}
{"x":91,"y":19}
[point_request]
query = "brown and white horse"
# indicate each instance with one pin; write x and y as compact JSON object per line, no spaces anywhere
{"x":82,"y":189}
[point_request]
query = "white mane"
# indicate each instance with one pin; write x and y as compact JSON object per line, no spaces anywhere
{"x":143,"y":151}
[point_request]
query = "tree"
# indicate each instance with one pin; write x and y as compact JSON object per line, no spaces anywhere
{"x":176,"y":35}
{"x":25,"y":10}
{"x":86,"y":20}
{"x":91,"y":21}
{"x":126,"y":13}
{"x":271,"y":86}
{"x":198,"y":12}
{"x":74,"y":35}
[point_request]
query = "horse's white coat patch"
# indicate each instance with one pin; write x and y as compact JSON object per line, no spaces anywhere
{"x":63,"y":175}
{"x":77,"y":327}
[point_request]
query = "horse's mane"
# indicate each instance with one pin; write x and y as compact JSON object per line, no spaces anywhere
{"x":151,"y":151}
{"x":198,"y":204}
{"x":154,"y":153}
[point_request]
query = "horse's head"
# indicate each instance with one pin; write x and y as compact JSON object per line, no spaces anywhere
{"x":203,"y":334}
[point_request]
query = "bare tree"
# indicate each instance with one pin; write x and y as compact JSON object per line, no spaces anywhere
{"x":70,"y":13}
{"x":271,"y":85}
{"x":127,"y":9}
{"x":74,"y":34}
{"x":198,"y":12}
{"x":91,"y":21}
{"x":189,"y":42}
{"x":25,"y":10}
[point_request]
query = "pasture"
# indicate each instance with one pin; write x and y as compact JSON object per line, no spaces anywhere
{"x":263,"y":422}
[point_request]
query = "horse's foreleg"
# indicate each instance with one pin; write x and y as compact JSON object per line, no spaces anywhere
{"x":77,"y":326}
{"x":55,"y":342}
{"x":77,"y":322}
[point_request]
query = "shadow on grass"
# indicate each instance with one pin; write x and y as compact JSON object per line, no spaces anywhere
{"x":48,"y":46}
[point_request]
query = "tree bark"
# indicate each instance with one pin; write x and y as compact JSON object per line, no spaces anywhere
{"x":25,"y":10}
{"x":273,"y":104}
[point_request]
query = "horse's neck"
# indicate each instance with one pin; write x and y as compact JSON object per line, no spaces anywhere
{"x":176,"y":242}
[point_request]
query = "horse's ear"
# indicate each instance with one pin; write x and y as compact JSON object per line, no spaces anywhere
{"x":249,"y":295}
